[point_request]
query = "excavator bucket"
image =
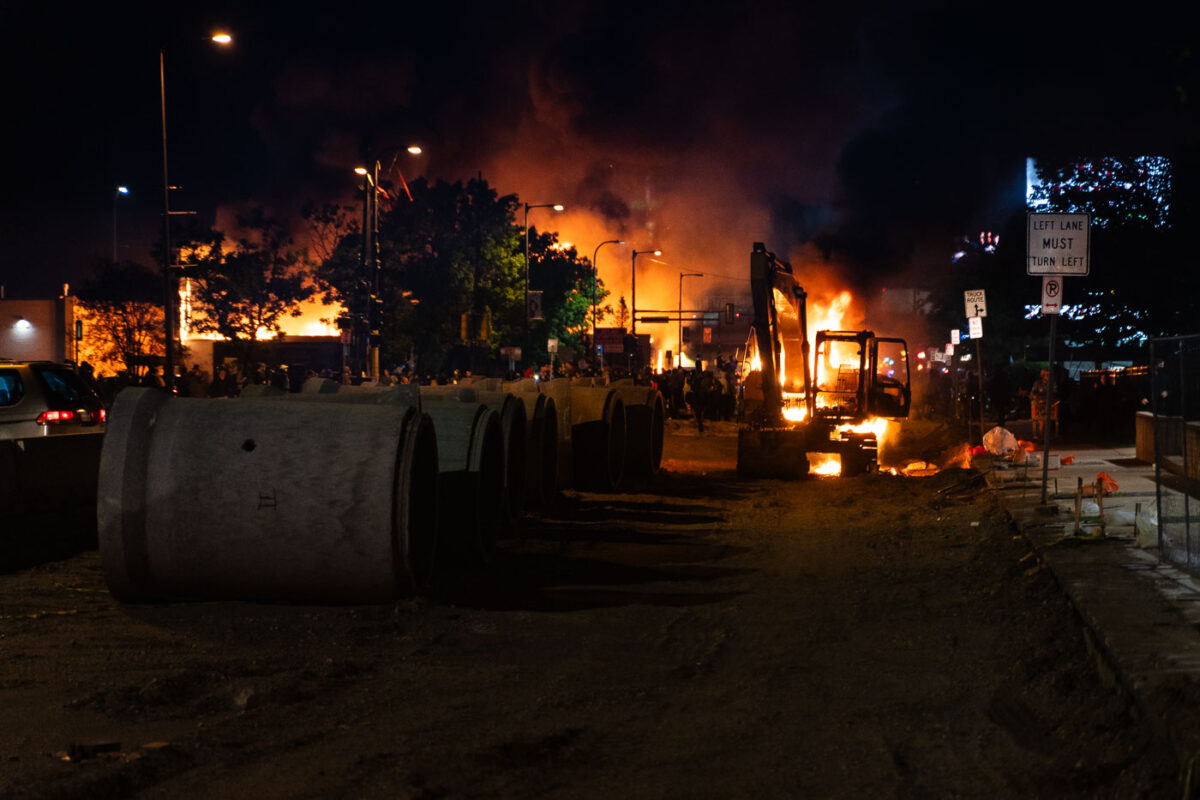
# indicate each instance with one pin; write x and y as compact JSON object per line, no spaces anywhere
{"x":772,"y":453}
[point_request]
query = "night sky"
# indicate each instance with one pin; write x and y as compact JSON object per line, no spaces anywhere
{"x":882,"y":134}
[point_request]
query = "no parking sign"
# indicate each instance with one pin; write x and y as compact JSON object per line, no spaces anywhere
{"x":1051,"y":294}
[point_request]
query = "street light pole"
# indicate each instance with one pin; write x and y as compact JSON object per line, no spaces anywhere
{"x":120,"y":190}
{"x":528,"y":320}
{"x":171,"y":290}
{"x":362,"y":325}
{"x":595,"y":280}
{"x":683,"y":275}
{"x":169,"y":283}
{"x":633,"y":283}
{"x":370,"y":269}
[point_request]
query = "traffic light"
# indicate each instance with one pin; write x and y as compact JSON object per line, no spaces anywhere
{"x":687,"y":335}
{"x":729,"y":315}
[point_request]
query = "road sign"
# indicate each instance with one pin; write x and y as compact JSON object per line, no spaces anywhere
{"x":955,"y":336}
{"x":552,"y":345}
{"x":976,"y":326}
{"x":1052,"y":287}
{"x":1057,"y":244}
{"x":611,"y":339}
{"x":976,"y":303}
{"x":533,"y":305}
{"x":950,"y":349}
{"x":512,"y":353}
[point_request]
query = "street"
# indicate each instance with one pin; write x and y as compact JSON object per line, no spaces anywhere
{"x":875,"y":636}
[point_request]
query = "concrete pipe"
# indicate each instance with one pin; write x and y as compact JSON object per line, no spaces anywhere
{"x":512,"y":416}
{"x":541,"y":453}
{"x":644,"y":415}
{"x":470,"y":445}
{"x":598,"y":433}
{"x":559,"y":390}
{"x":470,"y":477}
{"x":260,"y":390}
{"x":316,"y":385}
{"x":265,"y":499}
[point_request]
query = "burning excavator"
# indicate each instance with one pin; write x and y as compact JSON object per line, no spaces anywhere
{"x":836,"y":403}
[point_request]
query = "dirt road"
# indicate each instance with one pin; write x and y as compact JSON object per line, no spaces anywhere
{"x":864,"y":637}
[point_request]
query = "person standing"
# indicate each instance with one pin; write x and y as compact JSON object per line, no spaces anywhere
{"x":1037,"y":401}
{"x":224,"y":384}
{"x":197,"y":382}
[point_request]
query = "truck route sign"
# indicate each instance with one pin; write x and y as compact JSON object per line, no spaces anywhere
{"x":1057,"y":244}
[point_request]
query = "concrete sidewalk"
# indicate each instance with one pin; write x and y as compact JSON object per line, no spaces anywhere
{"x":1141,"y":611}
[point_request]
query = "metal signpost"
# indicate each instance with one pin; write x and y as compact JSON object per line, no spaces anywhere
{"x":1056,"y":245}
{"x":976,"y":302}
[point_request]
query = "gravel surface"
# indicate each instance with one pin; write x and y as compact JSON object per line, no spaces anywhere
{"x":875,"y":636}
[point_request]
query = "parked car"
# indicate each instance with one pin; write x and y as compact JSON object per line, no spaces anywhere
{"x":43,"y":398}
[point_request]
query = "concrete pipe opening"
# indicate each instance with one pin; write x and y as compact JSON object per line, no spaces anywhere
{"x":470,"y":481}
{"x":488,"y":466}
{"x":416,"y":506}
{"x":512,"y":418}
{"x":614,"y":415}
{"x":658,"y":417}
{"x":548,"y":450}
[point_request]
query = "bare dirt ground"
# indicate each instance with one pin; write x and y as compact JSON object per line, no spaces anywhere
{"x":862,"y":637}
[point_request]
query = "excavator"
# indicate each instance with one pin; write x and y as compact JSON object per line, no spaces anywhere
{"x":793,"y":404}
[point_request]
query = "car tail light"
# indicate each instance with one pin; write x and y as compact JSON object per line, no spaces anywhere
{"x":51,"y":417}
{"x":103,"y":415}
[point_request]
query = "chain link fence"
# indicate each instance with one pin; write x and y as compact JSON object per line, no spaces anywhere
{"x":1172,"y":424}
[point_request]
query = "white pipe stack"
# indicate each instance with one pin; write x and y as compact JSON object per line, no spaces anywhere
{"x":541,"y":451}
{"x":471,"y":461}
{"x":644,"y":417}
{"x":510,"y":410}
{"x":266,"y":500}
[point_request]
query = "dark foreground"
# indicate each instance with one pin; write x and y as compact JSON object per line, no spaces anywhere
{"x":865,"y":637}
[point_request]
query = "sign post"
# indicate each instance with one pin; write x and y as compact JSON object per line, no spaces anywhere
{"x":975,"y":326}
{"x":1056,"y":245}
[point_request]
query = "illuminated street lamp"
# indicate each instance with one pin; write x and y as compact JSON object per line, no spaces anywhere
{"x":679,"y":345}
{"x":368,"y":346}
{"x":556,"y":207}
{"x":633,"y":282}
{"x":120,"y":190}
{"x":172,"y":291}
{"x":595,"y":280}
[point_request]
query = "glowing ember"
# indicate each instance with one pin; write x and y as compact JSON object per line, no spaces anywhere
{"x":795,"y":413}
{"x":824,"y":464}
{"x":961,"y":457}
{"x":875,"y":425}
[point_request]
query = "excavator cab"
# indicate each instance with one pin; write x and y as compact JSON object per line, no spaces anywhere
{"x":858,"y":375}
{"x":890,"y":391}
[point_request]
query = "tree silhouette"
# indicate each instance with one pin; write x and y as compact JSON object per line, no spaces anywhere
{"x":242,"y":292}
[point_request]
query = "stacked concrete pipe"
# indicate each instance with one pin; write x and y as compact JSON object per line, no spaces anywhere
{"x":541,"y":452}
{"x":559,"y":390}
{"x":266,"y":500}
{"x":511,"y":412}
{"x":471,"y":461}
{"x":598,"y":434}
{"x":645,"y":420}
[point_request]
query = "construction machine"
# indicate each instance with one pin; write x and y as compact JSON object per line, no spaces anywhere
{"x":793,"y":404}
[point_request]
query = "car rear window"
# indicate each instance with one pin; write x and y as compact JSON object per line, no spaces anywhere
{"x":64,"y":385}
{"x":11,"y":390}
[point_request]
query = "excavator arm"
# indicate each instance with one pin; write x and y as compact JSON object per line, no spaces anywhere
{"x":781,"y":332}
